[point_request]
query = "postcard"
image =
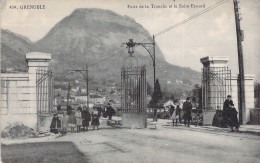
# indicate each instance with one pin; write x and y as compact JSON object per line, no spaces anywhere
{"x":130,"y":81}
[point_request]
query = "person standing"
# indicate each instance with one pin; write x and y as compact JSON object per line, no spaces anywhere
{"x":78,"y":119}
{"x":234,"y":118}
{"x":176,"y":113}
{"x":178,"y":110}
{"x":86,"y":117}
{"x":72,"y":120}
{"x":230,"y":114}
{"x":171,"y":110}
{"x":155,"y":114}
{"x":55,"y":124}
{"x":64,"y":121}
{"x":99,"y":109}
{"x":187,"y":108}
{"x":172,"y":113}
{"x":110,"y":111}
{"x":227,"y":112}
{"x":95,"y":119}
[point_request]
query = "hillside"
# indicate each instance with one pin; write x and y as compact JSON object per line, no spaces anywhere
{"x":88,"y":36}
{"x":13,"y":50}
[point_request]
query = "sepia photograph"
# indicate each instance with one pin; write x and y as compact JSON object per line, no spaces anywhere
{"x":130,"y":81}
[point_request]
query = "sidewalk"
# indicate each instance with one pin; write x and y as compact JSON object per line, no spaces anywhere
{"x":250,"y":129}
{"x":162,"y":123}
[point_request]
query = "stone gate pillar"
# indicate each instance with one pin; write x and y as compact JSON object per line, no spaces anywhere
{"x":35,"y":60}
{"x":216,"y":84}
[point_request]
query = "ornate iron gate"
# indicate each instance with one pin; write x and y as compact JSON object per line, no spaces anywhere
{"x":216,"y":85}
{"x":134,"y":91}
{"x":44,"y":91}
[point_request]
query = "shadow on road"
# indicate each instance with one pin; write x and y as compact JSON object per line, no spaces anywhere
{"x":65,"y":152}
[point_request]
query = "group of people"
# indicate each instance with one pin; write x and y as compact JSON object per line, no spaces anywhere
{"x":79,"y":119}
{"x":229,"y":114}
{"x":175,"y":112}
{"x":226,"y":117}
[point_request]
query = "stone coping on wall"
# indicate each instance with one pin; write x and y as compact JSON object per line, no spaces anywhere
{"x":38,"y":56}
{"x":247,"y":77}
{"x":14,"y":76}
{"x":215,"y":59}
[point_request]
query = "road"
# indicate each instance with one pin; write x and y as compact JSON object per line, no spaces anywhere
{"x":42,"y":152}
{"x":166,"y":144}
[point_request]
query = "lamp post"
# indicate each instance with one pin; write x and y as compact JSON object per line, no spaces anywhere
{"x":85,"y":75}
{"x":68,"y":96}
{"x":149,"y":47}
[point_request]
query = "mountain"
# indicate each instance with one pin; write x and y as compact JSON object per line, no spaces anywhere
{"x":89,"y":36}
{"x":13,"y":50}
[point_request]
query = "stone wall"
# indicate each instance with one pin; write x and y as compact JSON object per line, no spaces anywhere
{"x":15,"y":100}
{"x":249,"y":95}
{"x":18,"y":93}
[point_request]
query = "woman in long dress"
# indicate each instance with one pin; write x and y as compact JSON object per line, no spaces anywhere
{"x":78,"y":119}
{"x":86,"y":117}
{"x":55,"y":124}
{"x":65,"y":123}
{"x":72,"y":120}
{"x":95,"y":119}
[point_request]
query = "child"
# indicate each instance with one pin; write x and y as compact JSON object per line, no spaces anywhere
{"x":175,"y":112}
{"x":72,"y":120}
{"x":95,"y":119}
{"x":234,"y":119}
{"x":64,"y":123}
{"x":78,"y":119}
{"x":55,"y":124}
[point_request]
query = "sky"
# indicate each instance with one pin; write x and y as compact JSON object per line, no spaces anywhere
{"x":211,"y":34}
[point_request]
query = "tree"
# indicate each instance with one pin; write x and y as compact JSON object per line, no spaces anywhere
{"x":177,"y":93}
{"x":157,"y":95}
{"x":149,"y":89}
{"x":257,"y":94}
{"x":197,"y":95}
{"x":172,"y":97}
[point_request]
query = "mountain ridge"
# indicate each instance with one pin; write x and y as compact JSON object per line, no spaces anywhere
{"x":87,"y":36}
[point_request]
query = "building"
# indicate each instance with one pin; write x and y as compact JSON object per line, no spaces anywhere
{"x":81,"y":97}
{"x":96,"y":100}
{"x":179,"y":81}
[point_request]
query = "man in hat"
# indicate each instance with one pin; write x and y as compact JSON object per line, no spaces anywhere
{"x":187,"y":107}
{"x":86,"y":118}
{"x":228,"y":102}
{"x":110,"y":111}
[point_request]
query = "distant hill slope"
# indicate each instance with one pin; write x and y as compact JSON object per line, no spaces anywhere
{"x":13,"y":50}
{"x":88,"y":36}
